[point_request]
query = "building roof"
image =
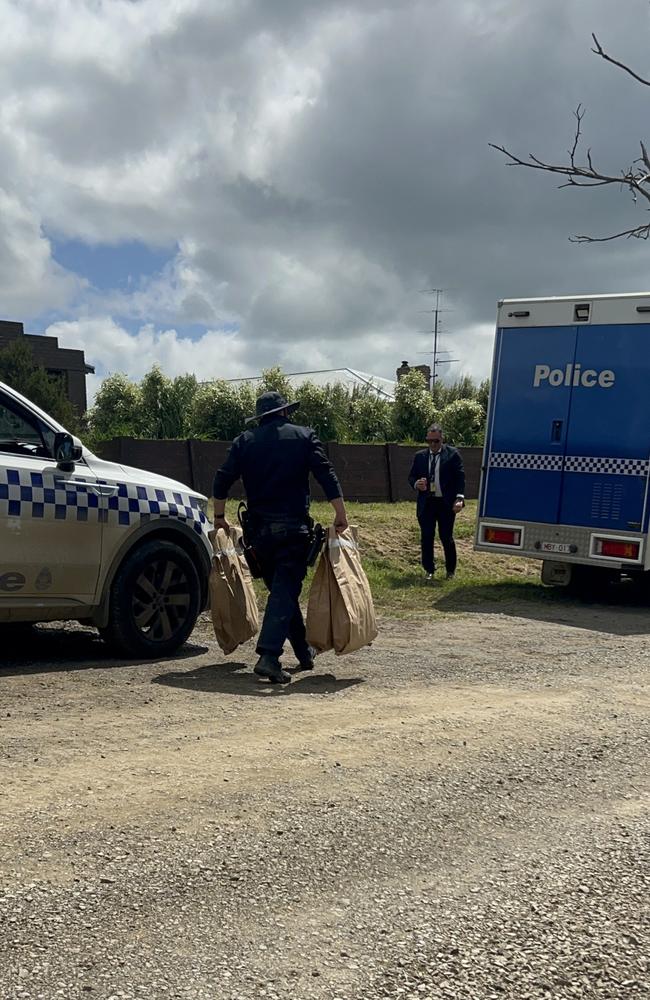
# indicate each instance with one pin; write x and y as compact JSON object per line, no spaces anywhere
{"x":349,"y":377}
{"x":46,"y":349}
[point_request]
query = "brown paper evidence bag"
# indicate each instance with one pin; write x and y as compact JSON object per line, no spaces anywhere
{"x":233,"y":603}
{"x":340,"y":610}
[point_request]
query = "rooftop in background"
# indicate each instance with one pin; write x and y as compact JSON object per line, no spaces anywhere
{"x":66,"y":363}
{"x":348,"y":377}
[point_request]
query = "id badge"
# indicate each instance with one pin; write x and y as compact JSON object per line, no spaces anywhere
{"x":432,"y":488}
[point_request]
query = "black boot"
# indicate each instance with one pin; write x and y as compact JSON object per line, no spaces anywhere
{"x":269,"y":666}
{"x":306,"y":662}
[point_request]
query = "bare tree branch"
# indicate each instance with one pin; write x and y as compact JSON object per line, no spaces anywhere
{"x":599,"y":51}
{"x":635,"y":178}
{"x":644,"y":156}
{"x":639,"y":233}
{"x":579,"y":113}
{"x":584,"y":176}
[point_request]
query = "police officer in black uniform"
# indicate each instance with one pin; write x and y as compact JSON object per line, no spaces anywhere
{"x":274,"y":460}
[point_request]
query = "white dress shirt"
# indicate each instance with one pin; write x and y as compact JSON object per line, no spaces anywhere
{"x":434,"y":473}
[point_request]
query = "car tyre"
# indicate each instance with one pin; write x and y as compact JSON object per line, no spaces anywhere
{"x":154,"y":602}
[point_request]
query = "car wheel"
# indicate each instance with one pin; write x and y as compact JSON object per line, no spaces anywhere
{"x":154,"y":601}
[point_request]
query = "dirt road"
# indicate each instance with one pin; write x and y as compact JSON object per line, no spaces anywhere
{"x":458,"y":812}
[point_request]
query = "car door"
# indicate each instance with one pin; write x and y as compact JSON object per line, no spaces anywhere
{"x":50,"y":521}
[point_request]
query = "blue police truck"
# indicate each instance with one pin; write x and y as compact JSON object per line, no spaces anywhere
{"x":567,"y":448}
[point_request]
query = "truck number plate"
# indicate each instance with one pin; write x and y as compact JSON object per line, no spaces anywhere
{"x":555,"y":547}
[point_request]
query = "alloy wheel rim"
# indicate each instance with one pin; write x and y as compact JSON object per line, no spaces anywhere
{"x":161,"y":600}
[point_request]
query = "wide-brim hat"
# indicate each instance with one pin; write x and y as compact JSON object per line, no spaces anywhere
{"x":271,"y":402}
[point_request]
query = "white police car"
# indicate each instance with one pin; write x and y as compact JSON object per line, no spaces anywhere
{"x":91,"y":541}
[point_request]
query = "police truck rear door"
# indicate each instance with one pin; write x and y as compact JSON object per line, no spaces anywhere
{"x":527,"y":423}
{"x":608,"y":438}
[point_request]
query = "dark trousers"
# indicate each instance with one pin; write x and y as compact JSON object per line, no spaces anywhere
{"x":283,"y":561}
{"x":436,"y":512}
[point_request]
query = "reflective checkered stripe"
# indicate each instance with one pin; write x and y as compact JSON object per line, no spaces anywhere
{"x":572,"y":463}
{"x":612,"y":466}
{"x":140,"y":503}
{"x":24,"y":494}
{"x":28,"y":494}
{"x":512,"y":460}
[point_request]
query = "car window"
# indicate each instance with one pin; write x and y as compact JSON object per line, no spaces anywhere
{"x":22,"y":433}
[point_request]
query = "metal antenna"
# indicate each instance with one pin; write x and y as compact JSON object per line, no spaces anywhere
{"x":436,"y":360}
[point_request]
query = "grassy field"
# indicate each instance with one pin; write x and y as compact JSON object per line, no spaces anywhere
{"x":390,"y":542}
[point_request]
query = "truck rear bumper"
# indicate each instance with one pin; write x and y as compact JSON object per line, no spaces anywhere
{"x":564,"y":543}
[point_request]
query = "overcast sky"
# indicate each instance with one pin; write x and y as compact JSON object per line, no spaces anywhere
{"x":222,"y":186}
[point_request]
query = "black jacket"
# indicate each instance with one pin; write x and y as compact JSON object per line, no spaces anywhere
{"x":452,"y":474}
{"x":274,"y":460}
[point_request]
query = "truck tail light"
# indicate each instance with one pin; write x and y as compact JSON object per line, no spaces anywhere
{"x":616,"y":549}
{"x":502,"y":536}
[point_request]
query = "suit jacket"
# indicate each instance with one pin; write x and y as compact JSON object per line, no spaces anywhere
{"x":452,"y":474}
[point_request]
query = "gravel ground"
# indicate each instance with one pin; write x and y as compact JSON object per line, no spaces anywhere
{"x":458,"y":812}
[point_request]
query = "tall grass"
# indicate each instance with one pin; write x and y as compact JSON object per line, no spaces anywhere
{"x":389,"y":537}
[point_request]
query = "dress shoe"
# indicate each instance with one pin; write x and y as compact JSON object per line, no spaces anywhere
{"x":269,"y":666}
{"x":450,"y":576}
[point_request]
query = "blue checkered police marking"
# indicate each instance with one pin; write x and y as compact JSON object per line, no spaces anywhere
{"x":32,"y":495}
{"x":572,"y":463}
{"x":29,"y":494}
{"x":613,"y":466}
{"x":514,"y":460}
{"x":137,"y":503}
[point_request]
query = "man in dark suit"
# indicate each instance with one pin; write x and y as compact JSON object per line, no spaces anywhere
{"x":438,"y":477}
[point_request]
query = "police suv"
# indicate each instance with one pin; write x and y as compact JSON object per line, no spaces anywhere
{"x":92,"y":541}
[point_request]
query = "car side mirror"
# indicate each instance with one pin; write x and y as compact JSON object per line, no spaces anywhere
{"x":67,"y":450}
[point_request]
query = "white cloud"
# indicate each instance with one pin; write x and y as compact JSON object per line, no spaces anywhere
{"x":315,"y":165}
{"x":111,"y":348}
{"x":182,"y":293}
{"x":30,"y":281}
